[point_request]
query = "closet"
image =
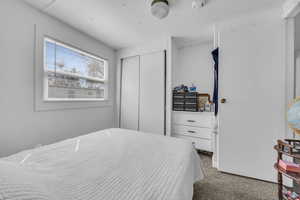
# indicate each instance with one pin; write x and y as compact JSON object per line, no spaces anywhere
{"x":143,"y":93}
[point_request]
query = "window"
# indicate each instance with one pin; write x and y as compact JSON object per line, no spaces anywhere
{"x":71,"y":74}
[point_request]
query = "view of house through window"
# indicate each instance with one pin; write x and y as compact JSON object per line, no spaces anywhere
{"x":71,"y":74}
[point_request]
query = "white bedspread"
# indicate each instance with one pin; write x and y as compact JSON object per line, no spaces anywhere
{"x":113,"y":164}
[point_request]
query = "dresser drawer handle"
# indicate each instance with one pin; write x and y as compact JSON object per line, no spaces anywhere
{"x":191,"y":131}
{"x":191,"y":121}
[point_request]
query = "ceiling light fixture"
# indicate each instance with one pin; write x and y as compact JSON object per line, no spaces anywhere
{"x":160,"y":8}
{"x":196,"y":4}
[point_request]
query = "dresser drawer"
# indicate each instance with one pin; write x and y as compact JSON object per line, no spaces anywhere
{"x":193,"y":119}
{"x":204,"y":133}
{"x":200,"y":144}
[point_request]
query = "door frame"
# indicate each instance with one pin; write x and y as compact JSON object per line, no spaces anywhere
{"x":291,"y":9}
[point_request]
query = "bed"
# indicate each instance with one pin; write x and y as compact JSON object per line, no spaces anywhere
{"x":112,"y":164}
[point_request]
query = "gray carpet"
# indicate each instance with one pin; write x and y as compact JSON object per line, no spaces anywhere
{"x":221,"y":186}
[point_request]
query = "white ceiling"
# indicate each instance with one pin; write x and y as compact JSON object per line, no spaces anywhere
{"x":125,"y":23}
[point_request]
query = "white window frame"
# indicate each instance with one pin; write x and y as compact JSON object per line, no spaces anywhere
{"x":46,"y":71}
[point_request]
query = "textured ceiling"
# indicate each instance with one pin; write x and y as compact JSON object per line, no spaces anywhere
{"x":124,"y":23}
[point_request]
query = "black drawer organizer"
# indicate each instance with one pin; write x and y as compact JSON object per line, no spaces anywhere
{"x":185,"y":101}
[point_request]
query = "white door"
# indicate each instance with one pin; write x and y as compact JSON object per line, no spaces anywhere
{"x":252,"y":119}
{"x":152,"y":93}
{"x":129,"y":111}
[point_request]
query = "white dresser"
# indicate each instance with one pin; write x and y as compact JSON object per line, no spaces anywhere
{"x":197,"y":127}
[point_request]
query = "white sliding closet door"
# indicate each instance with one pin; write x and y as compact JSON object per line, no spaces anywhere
{"x":152,"y":93}
{"x":129,"y":111}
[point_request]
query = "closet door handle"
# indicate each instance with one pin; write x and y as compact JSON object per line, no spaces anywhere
{"x":191,"y":131}
{"x":191,"y":121}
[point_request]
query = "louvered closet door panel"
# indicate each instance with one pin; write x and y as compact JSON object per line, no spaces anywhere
{"x":129,"y":113}
{"x":152,"y":92}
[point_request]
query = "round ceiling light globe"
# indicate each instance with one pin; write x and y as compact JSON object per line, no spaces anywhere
{"x":160,"y":8}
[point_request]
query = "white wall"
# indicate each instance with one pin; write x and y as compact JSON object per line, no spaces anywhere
{"x":195,"y":65}
{"x":297,"y":33}
{"x":172,"y":52}
{"x":21,"y":127}
{"x":297,"y":54}
{"x":145,"y":48}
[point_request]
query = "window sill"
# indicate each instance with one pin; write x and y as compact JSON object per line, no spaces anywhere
{"x":76,"y":100}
